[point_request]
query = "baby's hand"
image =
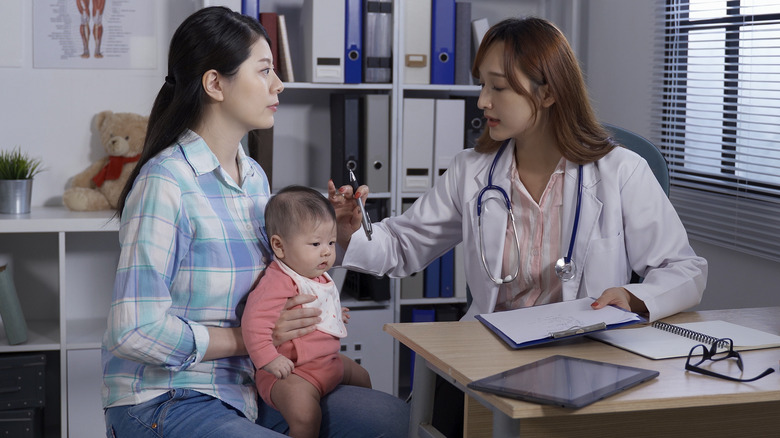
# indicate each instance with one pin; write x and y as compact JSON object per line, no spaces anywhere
{"x":345,"y":314}
{"x":280,"y":367}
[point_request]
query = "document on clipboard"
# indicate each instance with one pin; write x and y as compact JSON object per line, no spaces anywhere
{"x":550,"y":322}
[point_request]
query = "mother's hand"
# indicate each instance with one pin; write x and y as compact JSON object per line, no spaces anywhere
{"x":348,"y":215}
{"x":294,"y":323}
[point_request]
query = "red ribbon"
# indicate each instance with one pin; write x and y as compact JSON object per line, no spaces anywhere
{"x":113,"y":168}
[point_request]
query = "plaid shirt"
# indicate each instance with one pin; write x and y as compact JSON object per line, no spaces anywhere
{"x":192,"y":247}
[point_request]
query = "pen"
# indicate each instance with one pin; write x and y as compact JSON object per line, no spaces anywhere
{"x":366,"y":219}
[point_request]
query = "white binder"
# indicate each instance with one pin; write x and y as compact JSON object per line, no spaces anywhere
{"x":479,"y":28}
{"x":377,"y":141}
{"x":417,"y":42}
{"x":417,"y":146}
{"x":324,"y":22}
{"x":448,"y":136}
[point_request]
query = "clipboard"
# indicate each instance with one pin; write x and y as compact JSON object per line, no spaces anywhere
{"x":530,"y":326}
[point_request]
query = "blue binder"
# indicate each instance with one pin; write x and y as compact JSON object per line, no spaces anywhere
{"x":443,"y":42}
{"x":353,"y":41}
{"x":432,"y":273}
{"x":251,"y":8}
{"x":447,"y":275}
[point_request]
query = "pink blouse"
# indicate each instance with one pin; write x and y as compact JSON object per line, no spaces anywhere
{"x":539,"y":232}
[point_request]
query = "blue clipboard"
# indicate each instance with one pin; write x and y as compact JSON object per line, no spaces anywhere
{"x":569,"y":333}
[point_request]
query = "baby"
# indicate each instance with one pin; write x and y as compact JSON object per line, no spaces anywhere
{"x":301,"y":227}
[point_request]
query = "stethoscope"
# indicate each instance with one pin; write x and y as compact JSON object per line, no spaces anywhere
{"x":564,"y":267}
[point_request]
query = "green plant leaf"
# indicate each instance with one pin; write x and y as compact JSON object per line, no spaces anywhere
{"x":17,"y":165}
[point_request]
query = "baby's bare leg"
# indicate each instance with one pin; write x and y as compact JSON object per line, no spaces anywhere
{"x":354,"y":374}
{"x":299,"y":402}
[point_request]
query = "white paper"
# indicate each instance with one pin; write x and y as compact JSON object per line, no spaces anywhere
{"x":538,"y":322}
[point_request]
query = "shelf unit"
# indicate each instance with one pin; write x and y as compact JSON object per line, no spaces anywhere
{"x":302,"y":130}
{"x":63,"y":264}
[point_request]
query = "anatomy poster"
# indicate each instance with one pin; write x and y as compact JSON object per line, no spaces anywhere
{"x":94,"y":34}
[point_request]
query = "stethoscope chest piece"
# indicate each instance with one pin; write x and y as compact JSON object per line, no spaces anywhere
{"x":565,"y":270}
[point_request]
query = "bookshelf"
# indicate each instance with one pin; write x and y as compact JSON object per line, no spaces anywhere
{"x":63,"y":265}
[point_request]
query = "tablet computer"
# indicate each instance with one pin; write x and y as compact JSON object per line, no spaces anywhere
{"x":563,"y":381}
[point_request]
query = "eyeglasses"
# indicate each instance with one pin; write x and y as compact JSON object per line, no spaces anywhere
{"x":721,"y":349}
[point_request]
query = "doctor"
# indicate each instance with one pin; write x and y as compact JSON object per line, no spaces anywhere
{"x":586,"y":212}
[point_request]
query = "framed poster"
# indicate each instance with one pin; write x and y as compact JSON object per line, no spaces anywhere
{"x":95,"y":34}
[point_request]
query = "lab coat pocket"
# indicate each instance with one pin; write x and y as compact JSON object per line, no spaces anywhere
{"x":606,"y":265}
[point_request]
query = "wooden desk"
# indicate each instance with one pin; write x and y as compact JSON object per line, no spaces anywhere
{"x":676,"y":403}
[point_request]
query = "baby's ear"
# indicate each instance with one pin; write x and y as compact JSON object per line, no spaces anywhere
{"x":277,"y":246}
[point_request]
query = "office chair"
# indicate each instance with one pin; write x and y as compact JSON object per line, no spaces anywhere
{"x":646,"y":149}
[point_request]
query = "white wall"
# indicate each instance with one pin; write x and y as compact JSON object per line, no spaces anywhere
{"x":618,"y":58}
{"x":49,"y":112}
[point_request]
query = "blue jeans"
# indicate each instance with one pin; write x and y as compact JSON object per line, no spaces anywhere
{"x":348,"y":411}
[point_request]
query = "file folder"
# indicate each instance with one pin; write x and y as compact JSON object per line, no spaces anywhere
{"x":378,"y":41}
{"x":323,"y":43}
{"x":478,"y":29}
{"x":250,"y":8}
{"x":376,"y":138}
{"x":345,"y":115}
{"x":463,"y":57}
{"x":443,"y":42}
{"x":270,"y":21}
{"x":460,"y":272}
{"x":417,"y":42}
{"x":285,"y":59}
{"x":353,"y":42}
{"x":432,"y":279}
{"x":417,"y":144}
{"x":411,"y":286}
{"x":448,"y":133}
{"x":447,"y":274}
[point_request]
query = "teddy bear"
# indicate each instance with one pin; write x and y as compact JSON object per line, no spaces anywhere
{"x":100,"y":185}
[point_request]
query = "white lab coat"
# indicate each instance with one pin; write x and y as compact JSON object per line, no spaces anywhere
{"x":626,"y":223}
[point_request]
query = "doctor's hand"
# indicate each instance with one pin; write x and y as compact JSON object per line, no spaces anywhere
{"x":348,"y":216}
{"x":620,"y":297}
{"x":295,"y":321}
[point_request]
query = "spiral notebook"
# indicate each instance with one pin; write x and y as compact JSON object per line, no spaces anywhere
{"x":661,"y":340}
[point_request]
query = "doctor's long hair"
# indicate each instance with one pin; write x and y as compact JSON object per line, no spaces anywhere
{"x":541,"y":52}
{"x":211,"y":38}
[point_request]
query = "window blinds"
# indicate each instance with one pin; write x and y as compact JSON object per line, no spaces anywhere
{"x":719,"y":119}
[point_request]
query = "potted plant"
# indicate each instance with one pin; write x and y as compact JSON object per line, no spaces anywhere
{"x":17,"y":170}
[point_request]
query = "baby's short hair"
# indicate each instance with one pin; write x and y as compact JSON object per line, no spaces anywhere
{"x":296,"y":206}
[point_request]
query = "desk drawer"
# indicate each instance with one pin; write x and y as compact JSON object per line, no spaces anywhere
{"x":21,"y":423}
{"x":22,"y":381}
